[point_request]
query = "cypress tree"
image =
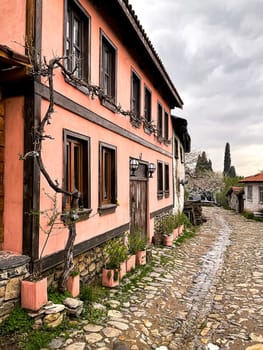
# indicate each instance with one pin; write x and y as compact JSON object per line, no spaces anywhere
{"x":227,"y":160}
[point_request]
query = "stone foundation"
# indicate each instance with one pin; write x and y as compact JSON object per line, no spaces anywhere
{"x":13,"y":269}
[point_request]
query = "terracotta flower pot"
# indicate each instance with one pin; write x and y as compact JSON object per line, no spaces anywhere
{"x":73,"y":285}
{"x":141,"y":257}
{"x":181,"y":228}
{"x":110,"y":278}
{"x":168,"y":240}
{"x":34,"y":294}
{"x":131,"y":263}
{"x":122,"y":269}
{"x":176,"y":232}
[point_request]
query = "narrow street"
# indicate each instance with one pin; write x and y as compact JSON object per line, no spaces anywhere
{"x":205,"y":294}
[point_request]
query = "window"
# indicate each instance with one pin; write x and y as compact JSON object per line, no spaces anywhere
{"x":76,"y":168}
{"x":159,"y":180}
{"x":77,"y":41}
{"x":160,"y":120}
{"x":260,"y":194}
{"x":107,"y":176}
{"x":108,"y":68}
{"x":136,"y":94}
{"x":166,"y":126}
{"x":166,"y":180}
{"x":182,"y":154}
{"x":176,"y":148}
{"x":147,"y":104}
{"x":249,"y":193}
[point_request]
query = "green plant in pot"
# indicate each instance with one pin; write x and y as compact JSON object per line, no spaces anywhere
{"x":137,"y":243}
{"x":115,"y":253}
{"x":167,"y":226}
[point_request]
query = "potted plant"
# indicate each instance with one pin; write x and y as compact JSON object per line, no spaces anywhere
{"x":182,"y":222}
{"x":115,"y":255}
{"x":167,"y":225}
{"x":73,"y":283}
{"x":137,"y":245}
{"x":131,"y":256}
{"x":176,"y":227}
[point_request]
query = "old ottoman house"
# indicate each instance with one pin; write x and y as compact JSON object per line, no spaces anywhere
{"x":110,"y":130}
{"x":253,"y":193}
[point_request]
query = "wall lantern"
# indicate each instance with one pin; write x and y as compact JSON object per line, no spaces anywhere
{"x":134,"y":165}
{"x":151,"y":169}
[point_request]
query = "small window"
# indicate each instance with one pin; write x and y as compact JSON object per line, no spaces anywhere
{"x":166,"y":180}
{"x":108,"y":68}
{"x":76,"y":168}
{"x":166,"y":126}
{"x":77,"y":41}
{"x":181,"y":154}
{"x":160,"y":121}
{"x":249,"y":193}
{"x":260,"y":194}
{"x":136,"y":94}
{"x":176,"y":148}
{"x":159,"y":180}
{"x":107,"y":176}
{"x":147,"y":104}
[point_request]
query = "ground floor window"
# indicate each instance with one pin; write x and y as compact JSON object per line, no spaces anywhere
{"x":107,"y":175}
{"x":77,"y":168}
{"x":260,"y":194}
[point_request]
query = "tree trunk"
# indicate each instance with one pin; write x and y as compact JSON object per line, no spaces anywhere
{"x":68,"y":258}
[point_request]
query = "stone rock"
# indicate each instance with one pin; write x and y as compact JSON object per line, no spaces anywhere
{"x":119,"y":325}
{"x":119,"y":345}
{"x":98,"y":306}
{"x":53,"y":320}
{"x":76,"y":346}
{"x":255,"y":347}
{"x":93,"y":338}
{"x":12,"y":289}
{"x":114,"y":313}
{"x":56,"y":343}
{"x":256,"y":338}
{"x":92,"y":328}
{"x":111,"y":332}
{"x":72,"y":303}
{"x":55,"y":308}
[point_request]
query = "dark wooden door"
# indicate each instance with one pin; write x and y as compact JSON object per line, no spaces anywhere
{"x":138,"y":201}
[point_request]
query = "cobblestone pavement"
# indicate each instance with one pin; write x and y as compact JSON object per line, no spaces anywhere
{"x":205,"y":294}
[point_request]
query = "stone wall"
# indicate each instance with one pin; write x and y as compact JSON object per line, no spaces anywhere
{"x":89,"y":265}
{"x":13,"y":269}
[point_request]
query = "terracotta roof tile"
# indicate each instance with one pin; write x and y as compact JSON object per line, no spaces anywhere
{"x":254,"y":178}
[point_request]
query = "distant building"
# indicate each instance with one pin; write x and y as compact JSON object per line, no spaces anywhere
{"x":253,"y":188}
{"x":235,"y":198}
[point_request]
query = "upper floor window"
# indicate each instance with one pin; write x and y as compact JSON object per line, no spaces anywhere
{"x":249,"y":193}
{"x":160,"y":120}
{"x":166,"y":180}
{"x":108,"y":68}
{"x":77,"y":41}
{"x":107,"y":176}
{"x":147,"y":104}
{"x":260,"y":194}
{"x":76,"y":168}
{"x":166,"y":126}
{"x":159,"y":180}
{"x":135,"y":94}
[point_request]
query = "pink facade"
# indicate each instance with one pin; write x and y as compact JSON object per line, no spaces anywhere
{"x":92,"y":143}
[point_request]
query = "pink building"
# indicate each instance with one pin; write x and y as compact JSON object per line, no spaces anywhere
{"x":97,"y":145}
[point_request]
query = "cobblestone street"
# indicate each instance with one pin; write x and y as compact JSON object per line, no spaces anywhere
{"x":205,"y":294}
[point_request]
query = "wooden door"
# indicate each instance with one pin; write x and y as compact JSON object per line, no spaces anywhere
{"x":138,"y":201}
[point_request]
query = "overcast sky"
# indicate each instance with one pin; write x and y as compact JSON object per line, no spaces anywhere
{"x":213,"y":52}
